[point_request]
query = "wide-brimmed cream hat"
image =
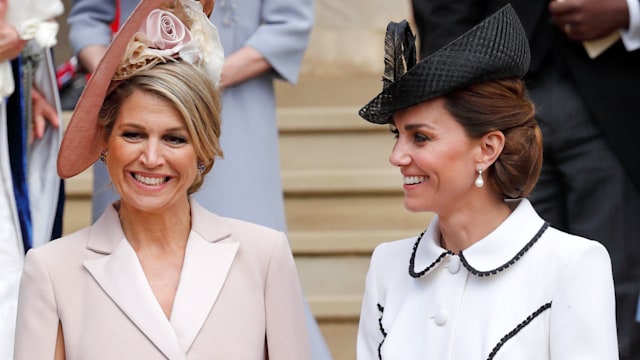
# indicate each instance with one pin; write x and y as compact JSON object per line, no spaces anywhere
{"x":496,"y":48}
{"x":197,"y":42}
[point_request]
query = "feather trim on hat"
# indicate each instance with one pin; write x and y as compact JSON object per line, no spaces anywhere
{"x":399,"y":51}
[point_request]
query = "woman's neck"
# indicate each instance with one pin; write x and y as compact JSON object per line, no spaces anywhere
{"x":163,"y":231}
{"x":462,"y":229}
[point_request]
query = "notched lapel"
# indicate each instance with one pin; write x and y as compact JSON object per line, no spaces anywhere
{"x":205,"y":269}
{"x":208,"y":258}
{"x":122,"y":279}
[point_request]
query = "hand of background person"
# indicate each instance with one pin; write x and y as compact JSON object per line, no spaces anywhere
{"x":584,"y":20}
{"x":43,"y":112}
{"x":242,"y":65}
{"x":10,"y":43}
{"x":90,"y":56}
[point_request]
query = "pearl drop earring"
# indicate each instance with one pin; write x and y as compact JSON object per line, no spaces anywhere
{"x":479,"y":180}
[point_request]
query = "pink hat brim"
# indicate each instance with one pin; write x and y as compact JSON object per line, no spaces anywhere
{"x":82,"y":141}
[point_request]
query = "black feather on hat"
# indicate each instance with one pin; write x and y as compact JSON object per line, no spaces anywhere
{"x":496,"y":48}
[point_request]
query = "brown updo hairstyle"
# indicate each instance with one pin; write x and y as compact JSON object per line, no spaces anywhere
{"x":190,"y":91}
{"x":505,"y":106}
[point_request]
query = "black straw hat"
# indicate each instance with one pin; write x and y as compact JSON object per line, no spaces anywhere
{"x":496,"y":48}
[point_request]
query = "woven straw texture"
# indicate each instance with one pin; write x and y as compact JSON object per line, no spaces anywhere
{"x":496,"y":48}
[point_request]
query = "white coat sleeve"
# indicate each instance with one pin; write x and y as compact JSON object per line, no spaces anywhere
{"x":583,"y":322}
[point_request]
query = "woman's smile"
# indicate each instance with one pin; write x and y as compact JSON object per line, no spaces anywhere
{"x":150,"y":180}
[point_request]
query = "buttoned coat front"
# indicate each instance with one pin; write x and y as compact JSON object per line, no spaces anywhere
{"x":524,"y":292}
{"x":239,"y":297}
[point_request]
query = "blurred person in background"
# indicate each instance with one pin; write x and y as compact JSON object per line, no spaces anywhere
{"x":31,"y":194}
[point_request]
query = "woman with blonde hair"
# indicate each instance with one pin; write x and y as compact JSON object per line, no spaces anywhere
{"x":158,"y":276}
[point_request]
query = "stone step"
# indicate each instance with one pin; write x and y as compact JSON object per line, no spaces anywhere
{"x":77,"y":213}
{"x":328,"y":91}
{"x":339,"y":243}
{"x":332,"y":149}
{"x":333,"y":285}
{"x":344,"y":213}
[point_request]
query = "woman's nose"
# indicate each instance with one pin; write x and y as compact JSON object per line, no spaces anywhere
{"x":399,"y":156}
{"x":151,"y":155}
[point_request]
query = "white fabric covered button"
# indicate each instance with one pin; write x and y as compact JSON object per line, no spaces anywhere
{"x":440,"y":317}
{"x":454,"y":265}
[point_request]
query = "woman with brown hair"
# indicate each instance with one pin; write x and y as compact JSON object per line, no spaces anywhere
{"x":489,"y":278}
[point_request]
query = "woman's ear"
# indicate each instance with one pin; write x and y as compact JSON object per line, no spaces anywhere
{"x":491,"y":145}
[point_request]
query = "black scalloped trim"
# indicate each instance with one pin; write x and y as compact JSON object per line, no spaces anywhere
{"x":412,"y":260}
{"x":384,"y":333}
{"x":520,"y":326}
{"x":517,"y":257}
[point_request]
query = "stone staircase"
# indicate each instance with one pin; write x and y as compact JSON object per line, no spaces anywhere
{"x":341,"y":197}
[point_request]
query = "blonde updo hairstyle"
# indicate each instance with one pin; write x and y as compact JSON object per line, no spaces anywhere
{"x":503,"y":105}
{"x":207,"y":6}
{"x":190,"y":91}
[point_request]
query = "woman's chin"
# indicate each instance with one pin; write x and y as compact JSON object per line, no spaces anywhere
{"x":413,"y":207}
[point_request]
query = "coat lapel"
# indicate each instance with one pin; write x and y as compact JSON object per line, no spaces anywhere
{"x":208,"y":258}
{"x":120,"y":275}
{"x":209,"y":254}
{"x":203,"y":274}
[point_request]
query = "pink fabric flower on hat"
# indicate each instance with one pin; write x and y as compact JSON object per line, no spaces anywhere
{"x":163,"y":37}
{"x":159,"y":39}
{"x":165,"y":32}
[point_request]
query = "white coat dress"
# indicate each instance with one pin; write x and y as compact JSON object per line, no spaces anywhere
{"x":523,"y":292}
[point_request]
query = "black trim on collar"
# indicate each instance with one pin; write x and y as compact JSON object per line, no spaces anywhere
{"x":513,"y":260}
{"x":520,"y":326}
{"x":412,"y":260}
{"x":464,"y":261}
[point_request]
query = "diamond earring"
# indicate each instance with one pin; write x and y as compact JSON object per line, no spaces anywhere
{"x":103,"y":156}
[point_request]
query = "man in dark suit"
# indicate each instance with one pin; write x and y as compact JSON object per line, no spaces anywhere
{"x":586,"y":107}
